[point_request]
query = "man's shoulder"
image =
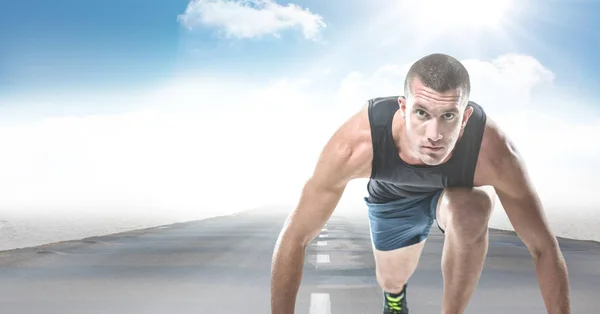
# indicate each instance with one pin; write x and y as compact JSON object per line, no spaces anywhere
{"x":352,"y":142}
{"x":381,"y":100}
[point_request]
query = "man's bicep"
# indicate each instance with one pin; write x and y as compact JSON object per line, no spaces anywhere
{"x":520,"y":200}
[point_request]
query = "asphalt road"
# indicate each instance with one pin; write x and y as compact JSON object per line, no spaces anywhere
{"x":222,"y":265}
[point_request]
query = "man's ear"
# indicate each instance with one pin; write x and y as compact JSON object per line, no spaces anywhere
{"x":466,"y":115}
{"x":402,"y":104}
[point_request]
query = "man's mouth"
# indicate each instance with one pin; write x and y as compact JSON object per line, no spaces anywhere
{"x":433,"y":148}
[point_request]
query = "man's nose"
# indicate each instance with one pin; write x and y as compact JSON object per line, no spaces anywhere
{"x":433,"y":131}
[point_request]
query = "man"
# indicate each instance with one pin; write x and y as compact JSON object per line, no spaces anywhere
{"x":431,"y":155}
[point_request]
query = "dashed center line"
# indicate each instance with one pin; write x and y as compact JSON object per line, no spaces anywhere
{"x":320,"y":303}
{"x":323,"y":258}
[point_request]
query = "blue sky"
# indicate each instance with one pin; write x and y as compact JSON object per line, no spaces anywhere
{"x":56,"y":44}
{"x":139,"y":102}
{"x":127,"y":44}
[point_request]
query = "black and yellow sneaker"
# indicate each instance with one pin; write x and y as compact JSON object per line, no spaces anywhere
{"x":395,"y":303}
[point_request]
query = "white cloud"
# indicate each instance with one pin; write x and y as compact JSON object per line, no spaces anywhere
{"x":197,"y":149}
{"x":195,"y":123}
{"x":509,"y":81}
{"x":193,"y":145}
{"x":385,"y":81}
{"x":252,"y":18}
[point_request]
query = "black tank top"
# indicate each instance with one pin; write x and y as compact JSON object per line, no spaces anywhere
{"x":392,"y":178}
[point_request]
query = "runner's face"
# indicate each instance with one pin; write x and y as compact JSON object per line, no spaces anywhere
{"x":433,"y":122}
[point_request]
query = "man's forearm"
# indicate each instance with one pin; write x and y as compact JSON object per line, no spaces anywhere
{"x":286,"y":275}
{"x":554,"y":281}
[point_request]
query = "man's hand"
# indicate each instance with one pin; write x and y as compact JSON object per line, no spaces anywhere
{"x":525,"y":212}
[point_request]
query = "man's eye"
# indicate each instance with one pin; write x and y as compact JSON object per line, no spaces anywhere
{"x":420,"y":113}
{"x":448,"y":116}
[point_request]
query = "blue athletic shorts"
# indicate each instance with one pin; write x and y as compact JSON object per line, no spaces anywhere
{"x":402,"y":222}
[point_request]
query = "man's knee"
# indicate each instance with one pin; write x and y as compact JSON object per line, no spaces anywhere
{"x":392,"y":285}
{"x":394,"y":280}
{"x":466,"y":210}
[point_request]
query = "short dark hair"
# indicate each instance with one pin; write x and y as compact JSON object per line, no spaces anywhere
{"x":439,"y":72}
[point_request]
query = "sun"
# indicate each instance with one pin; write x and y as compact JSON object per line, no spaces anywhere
{"x":461,"y":13}
{"x":473,"y":26}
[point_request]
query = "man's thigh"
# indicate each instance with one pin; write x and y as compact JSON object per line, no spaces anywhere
{"x":403,"y":222}
{"x":399,"y":230}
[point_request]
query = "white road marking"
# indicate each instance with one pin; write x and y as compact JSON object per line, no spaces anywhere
{"x":320,"y":303}
{"x":322,"y":258}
